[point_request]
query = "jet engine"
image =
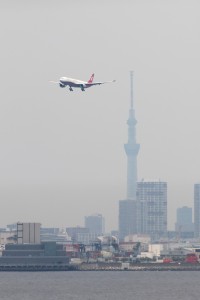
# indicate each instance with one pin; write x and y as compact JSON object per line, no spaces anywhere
{"x":83,"y":86}
{"x":61,"y":85}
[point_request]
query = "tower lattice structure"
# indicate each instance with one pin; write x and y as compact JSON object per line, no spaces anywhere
{"x":131,"y":149}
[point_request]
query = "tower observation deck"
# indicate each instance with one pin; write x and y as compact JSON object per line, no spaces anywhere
{"x":131,"y":149}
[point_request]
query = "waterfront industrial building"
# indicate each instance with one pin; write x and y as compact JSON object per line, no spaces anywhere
{"x":44,"y":256}
{"x":27,"y":253}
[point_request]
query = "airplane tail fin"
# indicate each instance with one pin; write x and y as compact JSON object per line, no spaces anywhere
{"x":91,"y":79}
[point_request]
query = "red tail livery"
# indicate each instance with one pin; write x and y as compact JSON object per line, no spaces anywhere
{"x":91,"y":78}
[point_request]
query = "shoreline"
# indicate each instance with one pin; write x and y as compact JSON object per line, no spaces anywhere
{"x":99,"y":267}
{"x":139,"y":267}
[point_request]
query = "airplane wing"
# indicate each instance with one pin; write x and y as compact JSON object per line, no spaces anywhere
{"x":98,"y":83}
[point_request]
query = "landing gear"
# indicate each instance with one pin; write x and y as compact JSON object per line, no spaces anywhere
{"x":71,"y":89}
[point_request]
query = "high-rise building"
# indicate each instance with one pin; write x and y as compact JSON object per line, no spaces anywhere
{"x":152,"y":200}
{"x":128,"y":207}
{"x":95,"y":224}
{"x":75,"y":232}
{"x":184,"y":220}
{"x":127,"y":218}
{"x":197,"y":210}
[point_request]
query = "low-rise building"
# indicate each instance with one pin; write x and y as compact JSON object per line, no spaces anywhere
{"x":47,"y":253}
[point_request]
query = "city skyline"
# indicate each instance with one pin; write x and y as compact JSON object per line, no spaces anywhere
{"x":62,"y":153}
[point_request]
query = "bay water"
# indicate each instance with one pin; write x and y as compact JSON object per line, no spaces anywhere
{"x":99,"y":285}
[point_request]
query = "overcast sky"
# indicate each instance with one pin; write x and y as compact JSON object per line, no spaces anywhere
{"x":62,"y":153}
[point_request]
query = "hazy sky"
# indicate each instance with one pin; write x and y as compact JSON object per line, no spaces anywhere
{"x":62,"y":153}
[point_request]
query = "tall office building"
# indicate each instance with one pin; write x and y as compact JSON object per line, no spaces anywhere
{"x":152,"y":199}
{"x":128,"y":207}
{"x":127,"y":218}
{"x":95,"y":224}
{"x":184,"y":220}
{"x":197,"y":210}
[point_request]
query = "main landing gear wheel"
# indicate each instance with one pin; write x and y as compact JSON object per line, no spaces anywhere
{"x":71,"y":90}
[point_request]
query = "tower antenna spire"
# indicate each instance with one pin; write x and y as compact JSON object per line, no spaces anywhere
{"x":132,"y":96}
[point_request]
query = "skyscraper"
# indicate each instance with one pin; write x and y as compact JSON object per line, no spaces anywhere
{"x":127,"y":218}
{"x":152,"y":199}
{"x":197,"y":210}
{"x":184,"y":220}
{"x":95,"y":224}
{"x":128,"y":207}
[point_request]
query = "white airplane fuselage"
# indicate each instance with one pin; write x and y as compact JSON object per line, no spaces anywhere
{"x":66,"y":81}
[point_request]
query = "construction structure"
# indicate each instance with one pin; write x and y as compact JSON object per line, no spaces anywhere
{"x":128,"y":207}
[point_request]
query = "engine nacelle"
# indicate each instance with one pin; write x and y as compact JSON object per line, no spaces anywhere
{"x":83,"y":86}
{"x":61,"y":85}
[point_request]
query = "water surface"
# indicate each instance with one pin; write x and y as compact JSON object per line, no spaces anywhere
{"x":123,"y":285}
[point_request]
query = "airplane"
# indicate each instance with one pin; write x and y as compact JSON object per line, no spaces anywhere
{"x":75,"y":83}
